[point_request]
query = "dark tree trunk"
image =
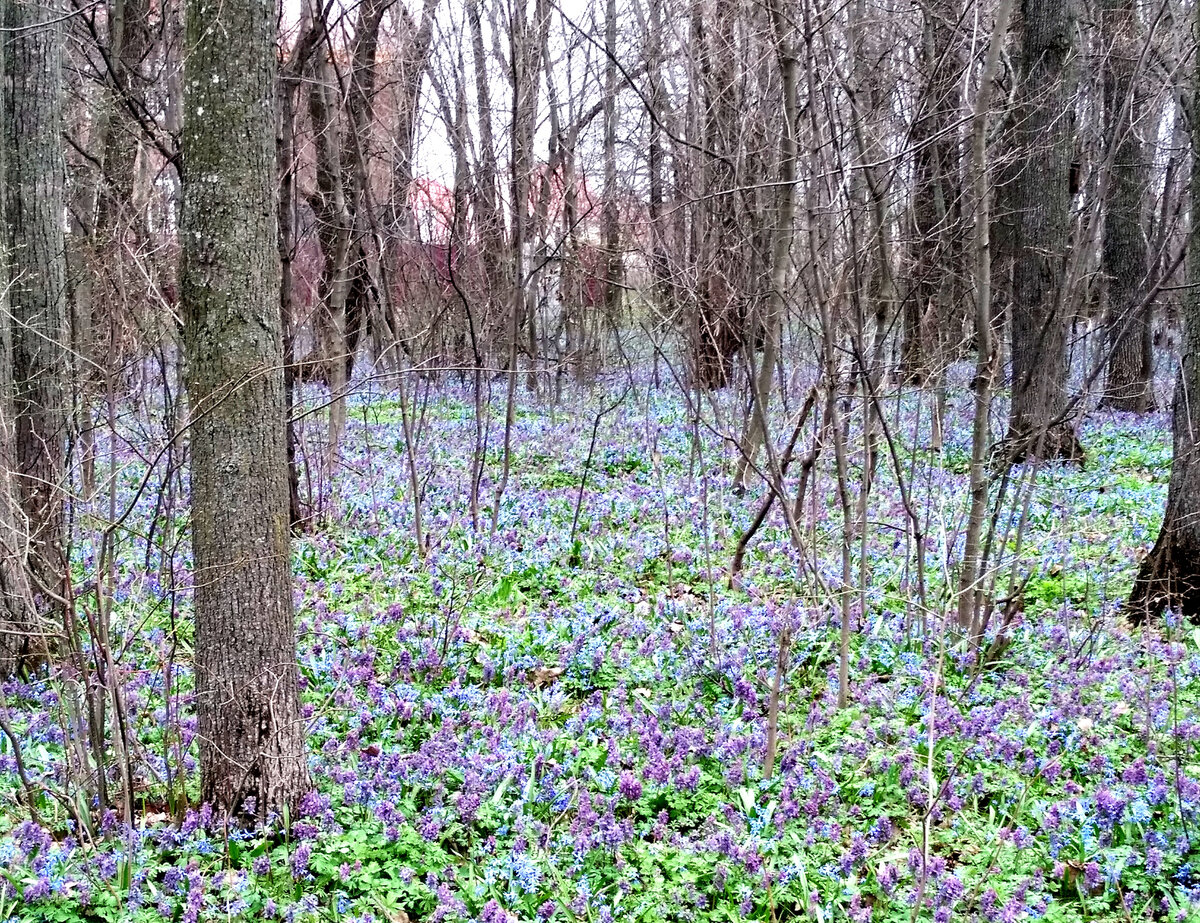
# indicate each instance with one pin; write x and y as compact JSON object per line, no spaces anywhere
{"x":721,"y":257}
{"x":286,"y":88}
{"x":18,"y":641}
{"x":33,"y":190}
{"x":927,"y":305}
{"x":660,"y":270}
{"x":489,"y":223}
{"x":247,"y":683}
{"x":1039,"y":196}
{"x":129,"y":44}
{"x":1124,"y":257}
{"x":614,"y":290}
{"x":1170,"y":575}
{"x":99,"y":299}
{"x":21,"y":647}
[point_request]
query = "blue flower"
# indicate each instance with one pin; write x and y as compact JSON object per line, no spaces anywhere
{"x":1139,"y":811}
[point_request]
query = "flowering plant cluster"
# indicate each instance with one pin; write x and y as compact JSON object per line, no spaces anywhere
{"x":566,"y":720}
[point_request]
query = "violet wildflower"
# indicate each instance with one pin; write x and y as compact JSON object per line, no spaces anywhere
{"x":629,"y":787}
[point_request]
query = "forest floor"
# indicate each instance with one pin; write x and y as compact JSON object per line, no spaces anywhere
{"x":567,"y":720}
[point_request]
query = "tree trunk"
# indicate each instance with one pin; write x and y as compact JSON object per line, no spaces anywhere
{"x":286,"y":88}
{"x":1123,"y":257}
{"x":614,"y":290}
{"x":987,"y":358}
{"x":664,"y":288}
{"x":1040,"y":199}
{"x":33,"y":189}
{"x":489,"y":223}
{"x":935,"y":198}
{"x":757,"y":430}
{"x":252,"y":753}
{"x":19,"y":644}
{"x":335,"y":222}
{"x":718,"y":322}
{"x":1170,"y":575}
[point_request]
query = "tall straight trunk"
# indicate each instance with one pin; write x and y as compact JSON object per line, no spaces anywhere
{"x":489,"y":223}
{"x":987,"y":360}
{"x":1170,"y":575}
{"x":718,"y":322}
{"x":33,"y":190}
{"x":660,"y":272}
{"x":1124,"y":256}
{"x":21,"y":647}
{"x":286,"y":88}
{"x":252,"y":734}
{"x":757,"y":431}
{"x":335,"y":224}
{"x":1039,"y":194}
{"x":613,"y":290}
{"x":129,"y":45}
{"x":115,"y":140}
{"x":935,"y":197}
{"x":19,"y":644}
{"x":526,"y":42}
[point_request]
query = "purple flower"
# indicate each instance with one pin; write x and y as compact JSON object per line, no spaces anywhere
{"x":1109,"y":807}
{"x":300,"y":860}
{"x":629,"y":786}
{"x":39,"y":890}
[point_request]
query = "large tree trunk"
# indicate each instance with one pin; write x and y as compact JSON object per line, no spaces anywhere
{"x":33,"y":190}
{"x":1170,"y":575}
{"x":1124,"y":257}
{"x":930,"y":298}
{"x":1039,"y":194}
{"x":18,"y":640}
{"x":718,"y":322}
{"x":247,"y":683}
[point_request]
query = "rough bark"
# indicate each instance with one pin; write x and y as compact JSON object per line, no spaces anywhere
{"x":247,"y":683}
{"x":935,"y":197}
{"x":1124,"y":255}
{"x":21,"y":647}
{"x":719,"y":314}
{"x":1170,"y":575}
{"x":1039,"y":196}
{"x":33,"y":190}
{"x":18,"y":639}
